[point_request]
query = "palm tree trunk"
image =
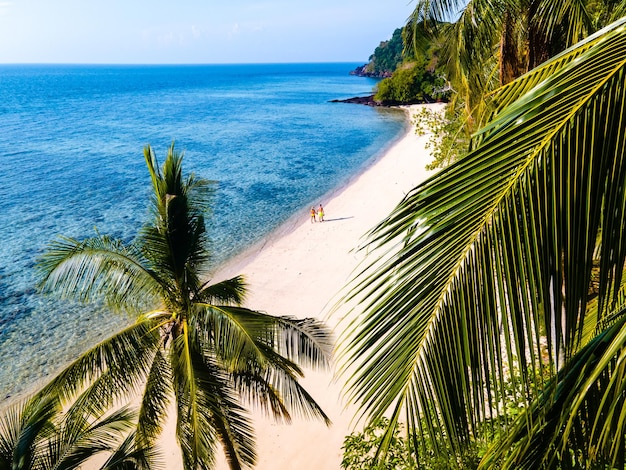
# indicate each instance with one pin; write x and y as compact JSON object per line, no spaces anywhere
{"x":511,"y":65}
{"x":539,"y":49}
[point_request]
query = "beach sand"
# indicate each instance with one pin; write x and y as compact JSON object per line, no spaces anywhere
{"x":302,"y":272}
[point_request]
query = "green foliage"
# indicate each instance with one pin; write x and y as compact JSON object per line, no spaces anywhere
{"x":411,"y":83}
{"x":36,"y":435}
{"x":387,"y":56}
{"x":193,"y":345}
{"x":448,"y":140}
{"x":487,"y":266}
{"x":360,"y":450}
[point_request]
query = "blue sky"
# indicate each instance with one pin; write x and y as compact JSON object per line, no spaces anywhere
{"x":195,"y":31}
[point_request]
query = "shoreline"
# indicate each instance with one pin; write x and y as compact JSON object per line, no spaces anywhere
{"x":239,"y":259}
{"x":301,"y":269}
{"x":229,"y":266}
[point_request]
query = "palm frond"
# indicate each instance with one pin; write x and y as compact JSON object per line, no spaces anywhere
{"x":570,"y":17}
{"x":495,"y":251}
{"x":80,"y":439}
{"x":229,"y":419}
{"x":95,"y":269}
{"x":178,"y":268}
{"x":129,"y":456}
{"x":176,"y":241}
{"x":207,"y":409}
{"x":581,"y":408}
{"x":107,"y":371}
{"x":23,"y":427}
{"x":263,"y":353}
{"x":229,"y":292}
{"x":505,"y":96}
{"x":155,"y":399}
{"x":276,"y":389}
{"x":239,"y":332}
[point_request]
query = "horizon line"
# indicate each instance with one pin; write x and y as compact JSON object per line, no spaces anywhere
{"x":185,"y":63}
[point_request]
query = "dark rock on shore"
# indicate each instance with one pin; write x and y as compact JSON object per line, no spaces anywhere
{"x":366,"y":100}
{"x":370,"y":101}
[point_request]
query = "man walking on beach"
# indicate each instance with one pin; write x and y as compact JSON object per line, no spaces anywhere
{"x":320,"y":214}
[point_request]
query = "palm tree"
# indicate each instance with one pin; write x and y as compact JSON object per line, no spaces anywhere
{"x":35,"y":436}
{"x":193,"y":344}
{"x":506,"y":269}
{"x":491,"y":43}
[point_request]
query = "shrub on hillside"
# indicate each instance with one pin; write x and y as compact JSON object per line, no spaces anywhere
{"x":411,"y":83}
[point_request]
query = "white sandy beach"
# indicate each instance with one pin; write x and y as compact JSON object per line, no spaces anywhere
{"x":301,"y":273}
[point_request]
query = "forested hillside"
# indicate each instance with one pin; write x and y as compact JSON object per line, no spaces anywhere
{"x":385,"y":59}
{"x":409,"y":76}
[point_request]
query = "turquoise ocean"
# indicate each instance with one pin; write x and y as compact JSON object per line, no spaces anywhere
{"x":71,"y":159}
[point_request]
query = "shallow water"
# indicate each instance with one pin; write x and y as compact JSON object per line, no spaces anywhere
{"x":71,"y":153}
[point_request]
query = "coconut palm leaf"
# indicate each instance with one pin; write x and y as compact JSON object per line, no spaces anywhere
{"x":156,"y":397}
{"x":208,"y":411}
{"x":109,"y":370}
{"x":177,"y":241}
{"x":22,"y":429}
{"x":129,"y":457}
{"x":36,"y":435}
{"x":98,"y":268}
{"x":582,"y":408}
{"x":586,"y":395}
{"x":78,"y":439}
{"x":468,"y":46}
{"x":262,"y":353}
{"x":276,"y":389}
{"x":170,"y":180}
{"x":494,"y":254}
{"x":229,"y":292}
{"x":306,"y":341}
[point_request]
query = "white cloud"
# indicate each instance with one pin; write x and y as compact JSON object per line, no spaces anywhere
{"x":247,"y":28}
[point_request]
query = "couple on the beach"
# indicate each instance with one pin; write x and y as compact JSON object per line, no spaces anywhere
{"x":320,"y":214}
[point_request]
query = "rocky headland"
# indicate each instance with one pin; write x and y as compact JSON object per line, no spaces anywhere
{"x":362,"y":71}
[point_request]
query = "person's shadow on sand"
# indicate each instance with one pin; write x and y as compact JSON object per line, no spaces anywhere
{"x":338,"y":218}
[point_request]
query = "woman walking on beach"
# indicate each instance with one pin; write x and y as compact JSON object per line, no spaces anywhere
{"x":313,"y":214}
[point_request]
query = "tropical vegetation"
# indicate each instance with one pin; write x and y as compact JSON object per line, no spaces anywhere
{"x":492,"y":43}
{"x":412,"y":82}
{"x":194,"y":354}
{"x":34,"y":434}
{"x":505,"y":269}
{"x":408,"y":75}
{"x":387,"y":56}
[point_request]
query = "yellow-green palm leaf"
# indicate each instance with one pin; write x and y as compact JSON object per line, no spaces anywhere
{"x":487,"y":265}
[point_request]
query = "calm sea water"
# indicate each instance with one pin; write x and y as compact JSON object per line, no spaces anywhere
{"x":71,"y":143}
